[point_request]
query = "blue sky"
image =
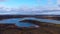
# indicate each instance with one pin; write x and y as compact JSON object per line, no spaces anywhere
{"x":27,"y":6}
{"x":15,"y":3}
{"x":30,"y":3}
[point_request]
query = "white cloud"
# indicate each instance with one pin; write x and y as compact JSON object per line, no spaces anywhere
{"x":2,"y":0}
{"x":58,"y":1}
{"x":27,"y":10}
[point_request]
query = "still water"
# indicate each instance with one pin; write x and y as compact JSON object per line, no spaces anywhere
{"x":16,"y":22}
{"x":22,"y":24}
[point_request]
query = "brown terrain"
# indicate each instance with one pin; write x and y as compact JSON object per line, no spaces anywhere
{"x":45,"y":28}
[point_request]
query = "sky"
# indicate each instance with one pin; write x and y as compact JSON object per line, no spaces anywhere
{"x":29,"y":3}
{"x":23,"y":6}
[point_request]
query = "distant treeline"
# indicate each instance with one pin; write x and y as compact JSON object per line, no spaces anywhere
{"x":19,"y":16}
{"x":36,"y":16}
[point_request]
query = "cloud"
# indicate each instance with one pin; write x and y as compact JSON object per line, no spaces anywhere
{"x":2,"y":0}
{"x":58,"y":1}
{"x":29,"y":10}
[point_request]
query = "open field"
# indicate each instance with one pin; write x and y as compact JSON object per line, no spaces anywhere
{"x":45,"y":28}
